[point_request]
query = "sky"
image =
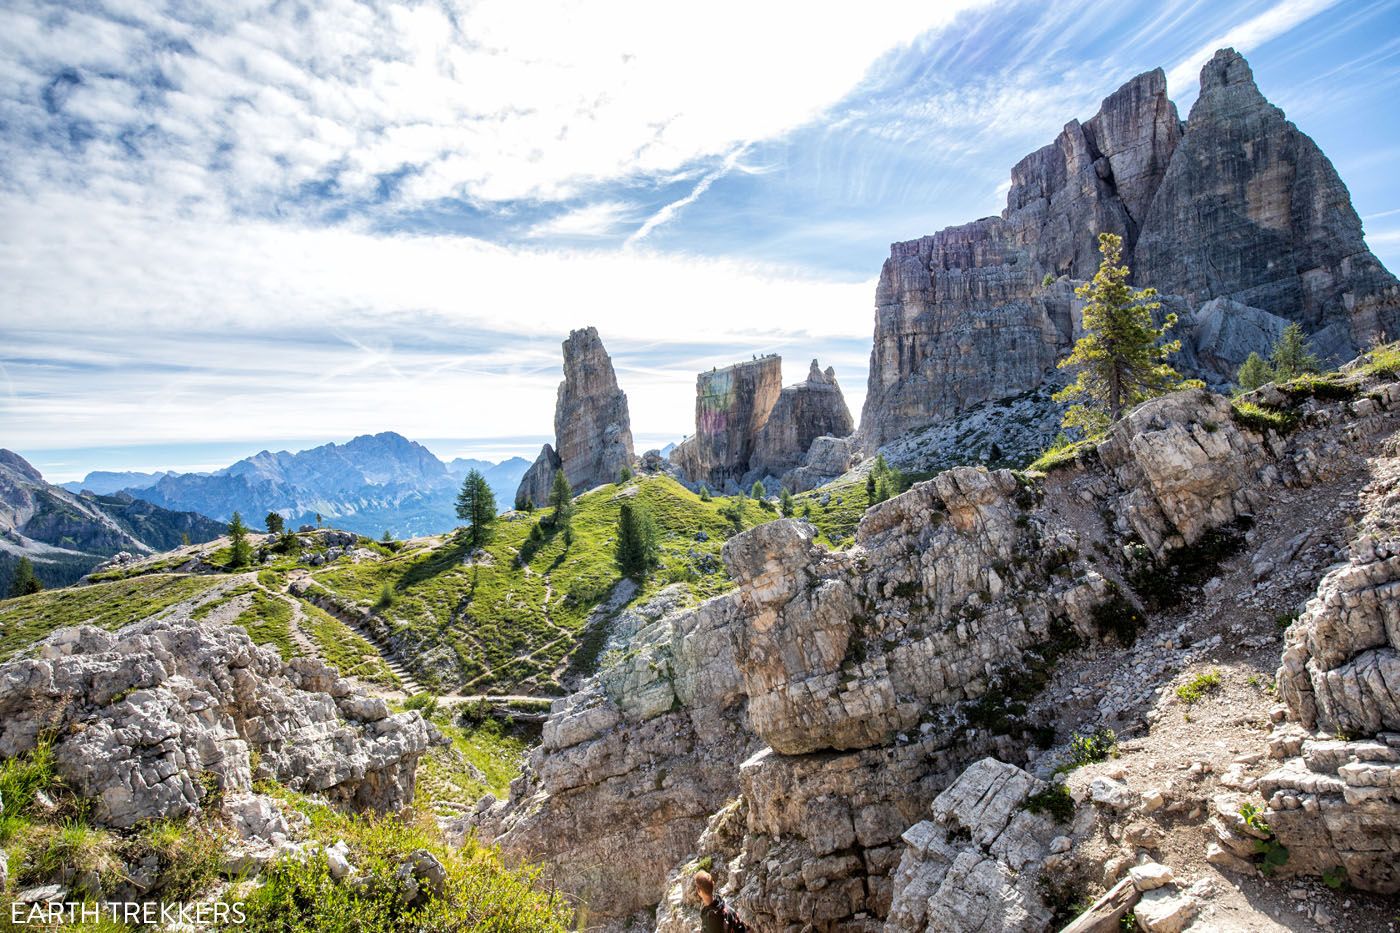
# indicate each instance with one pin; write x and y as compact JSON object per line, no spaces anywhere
{"x":237,"y":225}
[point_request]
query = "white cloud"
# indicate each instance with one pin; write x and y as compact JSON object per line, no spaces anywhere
{"x":1273,"y":22}
{"x":490,"y":101}
{"x":604,"y":218}
{"x":136,"y":328}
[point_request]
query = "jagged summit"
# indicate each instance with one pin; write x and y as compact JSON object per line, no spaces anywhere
{"x":748,"y":427}
{"x":592,"y":427}
{"x":1236,"y":204}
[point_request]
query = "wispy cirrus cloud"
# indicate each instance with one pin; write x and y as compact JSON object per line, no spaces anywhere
{"x":1244,"y":37}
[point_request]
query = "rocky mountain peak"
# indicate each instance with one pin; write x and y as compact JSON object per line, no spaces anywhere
{"x":592,"y":426}
{"x":1237,"y":204}
{"x":13,"y":461}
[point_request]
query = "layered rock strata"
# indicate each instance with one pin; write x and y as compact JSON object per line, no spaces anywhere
{"x":1334,"y":801}
{"x":831,"y":697}
{"x":748,"y":427}
{"x":592,"y":427}
{"x":1235,"y":204}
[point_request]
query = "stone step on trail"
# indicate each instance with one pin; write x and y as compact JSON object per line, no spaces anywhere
{"x":300,"y":585}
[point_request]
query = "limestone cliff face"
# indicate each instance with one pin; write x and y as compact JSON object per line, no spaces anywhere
{"x":747,"y":426}
{"x":1250,"y":209}
{"x":592,"y":428}
{"x":803,"y":412}
{"x":1236,"y":204}
{"x":731,"y":407}
{"x":818,"y":710}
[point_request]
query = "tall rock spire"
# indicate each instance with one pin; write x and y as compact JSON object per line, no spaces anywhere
{"x":592,"y":428}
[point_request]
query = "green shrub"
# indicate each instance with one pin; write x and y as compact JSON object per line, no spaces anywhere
{"x":1097,"y":746}
{"x":1195,"y":689}
{"x":387,"y":596}
{"x":480,"y":894}
{"x":425,"y":703}
{"x":1271,"y":855}
{"x":1254,"y":819}
{"x":1329,"y":387}
{"x":1062,"y":453}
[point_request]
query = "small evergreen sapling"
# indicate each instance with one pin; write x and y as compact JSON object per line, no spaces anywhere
{"x":241,"y":552}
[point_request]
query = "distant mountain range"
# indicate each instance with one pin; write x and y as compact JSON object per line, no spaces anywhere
{"x":373,"y":483}
{"x":66,"y":534}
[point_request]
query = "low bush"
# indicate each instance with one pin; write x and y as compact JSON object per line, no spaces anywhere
{"x":1195,"y":689}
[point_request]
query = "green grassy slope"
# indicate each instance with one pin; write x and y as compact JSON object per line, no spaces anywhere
{"x":27,"y":619}
{"x":515,"y":620}
{"x":512,"y":619}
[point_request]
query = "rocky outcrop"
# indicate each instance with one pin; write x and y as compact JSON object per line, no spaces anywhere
{"x":150,"y":721}
{"x":747,"y":428}
{"x":803,"y":412}
{"x":731,"y":407}
{"x":592,"y":429}
{"x":539,"y":479}
{"x":977,"y":864}
{"x":1334,"y":802}
{"x":827,"y":459}
{"x":819,"y":709}
{"x":984,"y":310}
{"x":1250,"y":209}
{"x":833,"y":695}
{"x":1224,"y":335}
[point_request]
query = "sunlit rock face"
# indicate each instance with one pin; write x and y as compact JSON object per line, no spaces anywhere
{"x":1236,"y":203}
{"x":592,"y":428}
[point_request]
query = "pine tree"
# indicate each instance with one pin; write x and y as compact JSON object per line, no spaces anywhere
{"x":24,"y":582}
{"x":389,"y":538}
{"x":1254,"y":372}
{"x":561,"y":499}
{"x":636,"y":539}
{"x":476,"y":505}
{"x":624,"y":474}
{"x":872,"y":488}
{"x":1291,"y":357}
{"x":1121,"y":359}
{"x":274,"y":523}
{"x":757,"y":490}
{"x":785,"y":503}
{"x":241,"y":552}
{"x":705,"y":493}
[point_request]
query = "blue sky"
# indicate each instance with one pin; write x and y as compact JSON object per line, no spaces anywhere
{"x":231,"y":226}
